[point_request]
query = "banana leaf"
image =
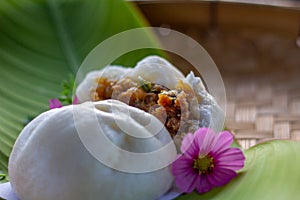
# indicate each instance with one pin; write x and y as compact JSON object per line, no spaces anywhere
{"x":41,"y":43}
{"x":271,"y":172}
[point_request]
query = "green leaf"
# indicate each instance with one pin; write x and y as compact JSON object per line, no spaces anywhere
{"x":41,"y":43}
{"x":3,"y":177}
{"x":236,"y":143}
{"x":271,"y":173}
{"x":67,"y":96}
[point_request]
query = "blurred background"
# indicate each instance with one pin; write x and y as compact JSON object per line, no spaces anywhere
{"x":256,"y":46}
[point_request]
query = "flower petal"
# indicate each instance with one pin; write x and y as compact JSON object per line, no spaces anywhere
{"x":54,"y":103}
{"x":221,"y":176}
{"x":206,"y":139}
{"x":224,"y":141}
{"x":203,"y":184}
{"x":232,"y":159}
{"x":186,"y":142}
{"x":182,"y":169}
{"x":188,"y":146}
{"x":188,"y":183}
{"x":181,"y":166}
{"x":75,"y":100}
{"x":200,"y":134}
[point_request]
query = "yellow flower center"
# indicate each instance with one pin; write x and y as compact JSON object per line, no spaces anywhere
{"x":204,"y":164}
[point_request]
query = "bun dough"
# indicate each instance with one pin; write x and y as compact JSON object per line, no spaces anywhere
{"x":90,"y":81}
{"x":49,"y":161}
{"x":157,"y":70}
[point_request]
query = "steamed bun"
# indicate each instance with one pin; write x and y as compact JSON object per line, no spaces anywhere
{"x":51,"y":158}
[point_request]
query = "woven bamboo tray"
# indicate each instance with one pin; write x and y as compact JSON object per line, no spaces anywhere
{"x":255,"y":48}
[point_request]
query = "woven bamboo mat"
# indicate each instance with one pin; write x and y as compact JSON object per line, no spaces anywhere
{"x":261,"y":111}
{"x":261,"y":72}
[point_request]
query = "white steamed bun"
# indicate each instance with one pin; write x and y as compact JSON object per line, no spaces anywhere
{"x":49,"y":161}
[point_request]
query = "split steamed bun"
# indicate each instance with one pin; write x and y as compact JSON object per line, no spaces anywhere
{"x":157,"y":70}
{"x":50,"y":161}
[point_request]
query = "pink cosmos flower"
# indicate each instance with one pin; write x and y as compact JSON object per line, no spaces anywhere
{"x":207,"y":161}
{"x":75,"y":100}
{"x":54,"y":103}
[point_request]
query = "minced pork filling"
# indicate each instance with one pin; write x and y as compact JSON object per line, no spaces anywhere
{"x":176,"y":109}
